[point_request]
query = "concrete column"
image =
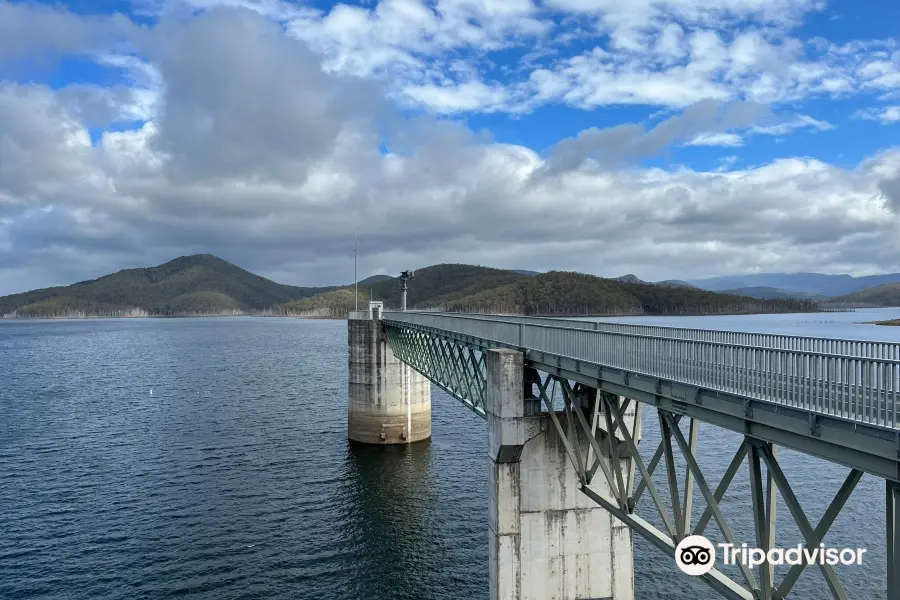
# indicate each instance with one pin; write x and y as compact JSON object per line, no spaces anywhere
{"x":389,"y":401}
{"x":892,"y":522}
{"x":547,"y":539}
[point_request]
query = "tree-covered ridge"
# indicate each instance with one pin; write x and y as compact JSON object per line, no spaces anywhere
{"x":468,"y":288}
{"x":887,"y":294}
{"x":334,"y":304}
{"x":197,"y":284}
{"x":435,"y":285}
{"x":446,"y":282}
{"x":207,"y":285}
{"x":566,"y":293}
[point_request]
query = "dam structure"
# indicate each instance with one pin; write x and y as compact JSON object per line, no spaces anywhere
{"x":389,"y":402}
{"x":571,"y":483}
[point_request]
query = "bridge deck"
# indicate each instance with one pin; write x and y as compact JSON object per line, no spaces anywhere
{"x":830,"y":397}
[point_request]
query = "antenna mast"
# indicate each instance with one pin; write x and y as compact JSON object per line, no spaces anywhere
{"x":355,"y":279}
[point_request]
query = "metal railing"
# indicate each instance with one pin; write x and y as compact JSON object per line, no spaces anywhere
{"x":360,"y":314}
{"x":859,"y":388}
{"x":836,"y":346}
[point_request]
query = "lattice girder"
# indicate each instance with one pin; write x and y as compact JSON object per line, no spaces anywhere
{"x":601,"y":435}
{"x":455,"y":367}
{"x":606,"y":438}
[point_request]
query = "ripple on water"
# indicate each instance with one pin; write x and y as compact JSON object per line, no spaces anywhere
{"x":235,"y":478}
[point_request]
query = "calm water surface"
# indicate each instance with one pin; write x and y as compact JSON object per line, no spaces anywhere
{"x":234,"y":478}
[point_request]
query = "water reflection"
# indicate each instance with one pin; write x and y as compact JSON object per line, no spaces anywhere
{"x":388,"y":512}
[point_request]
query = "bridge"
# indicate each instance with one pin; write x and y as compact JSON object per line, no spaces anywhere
{"x":564,"y":400}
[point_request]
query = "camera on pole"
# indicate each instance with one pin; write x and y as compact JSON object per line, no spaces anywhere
{"x":404,"y":277}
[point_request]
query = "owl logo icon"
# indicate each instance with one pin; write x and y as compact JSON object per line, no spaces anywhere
{"x":695,"y":555}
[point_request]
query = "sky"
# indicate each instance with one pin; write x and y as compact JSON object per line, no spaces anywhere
{"x":665,"y":138}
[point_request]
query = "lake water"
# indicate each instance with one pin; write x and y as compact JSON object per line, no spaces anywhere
{"x":234,"y":478}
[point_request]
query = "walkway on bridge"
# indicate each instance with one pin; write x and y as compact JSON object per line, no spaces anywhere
{"x":843,"y":392}
{"x":831,"y":398}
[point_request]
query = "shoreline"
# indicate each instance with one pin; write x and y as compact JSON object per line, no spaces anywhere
{"x":889,"y":323}
{"x":330,"y":318}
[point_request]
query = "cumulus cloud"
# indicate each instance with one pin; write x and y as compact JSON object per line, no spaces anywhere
{"x":891,"y":189}
{"x":885,"y":114}
{"x":454,"y":98}
{"x":99,"y":107}
{"x":38,"y":33}
{"x":43,"y":147}
{"x":243,"y":100}
{"x":669,"y":53}
{"x":252,"y":146}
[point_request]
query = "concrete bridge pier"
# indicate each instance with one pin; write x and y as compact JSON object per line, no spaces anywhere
{"x":547,"y":539}
{"x":389,"y":402}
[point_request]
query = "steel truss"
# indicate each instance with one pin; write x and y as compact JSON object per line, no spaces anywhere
{"x":455,"y":367}
{"x":603,"y":431}
{"x":598,"y":433}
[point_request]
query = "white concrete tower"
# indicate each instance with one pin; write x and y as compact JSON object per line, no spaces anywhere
{"x":389,"y":402}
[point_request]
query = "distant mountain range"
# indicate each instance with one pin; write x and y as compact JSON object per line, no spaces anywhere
{"x":205,"y":284}
{"x":770,"y":286}
{"x":770,"y":292}
{"x":631,"y":278}
{"x":469,"y":288}
{"x":816,"y":284}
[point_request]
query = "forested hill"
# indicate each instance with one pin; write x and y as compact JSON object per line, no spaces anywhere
{"x":467,"y":288}
{"x":887,"y":294}
{"x":204,"y":284}
{"x":197,"y":284}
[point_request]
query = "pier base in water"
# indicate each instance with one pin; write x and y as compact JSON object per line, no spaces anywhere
{"x":389,"y":402}
{"x":547,"y":539}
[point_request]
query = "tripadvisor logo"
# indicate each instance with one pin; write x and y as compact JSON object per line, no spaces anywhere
{"x":696,"y":555}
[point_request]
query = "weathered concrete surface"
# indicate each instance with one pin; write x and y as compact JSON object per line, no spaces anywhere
{"x":389,"y":402}
{"x":547,"y":539}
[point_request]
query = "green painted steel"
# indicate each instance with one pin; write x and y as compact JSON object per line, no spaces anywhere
{"x":455,"y":367}
{"x":829,"y":398}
